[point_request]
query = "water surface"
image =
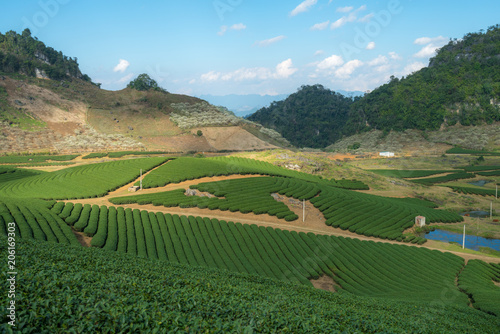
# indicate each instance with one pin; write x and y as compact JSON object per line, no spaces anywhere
{"x":471,"y":241}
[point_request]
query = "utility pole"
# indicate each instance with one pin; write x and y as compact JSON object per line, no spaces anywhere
{"x":491,"y":210}
{"x":304,"y":210}
{"x":463,"y":242}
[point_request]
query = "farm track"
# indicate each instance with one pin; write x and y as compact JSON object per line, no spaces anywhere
{"x":314,"y":221}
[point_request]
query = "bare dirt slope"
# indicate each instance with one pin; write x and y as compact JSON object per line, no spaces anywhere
{"x":233,"y":138}
{"x":79,"y":117}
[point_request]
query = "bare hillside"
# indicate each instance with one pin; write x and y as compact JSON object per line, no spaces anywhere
{"x":76,"y":116}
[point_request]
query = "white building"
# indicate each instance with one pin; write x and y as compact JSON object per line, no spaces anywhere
{"x":386,"y":154}
{"x":420,"y":221}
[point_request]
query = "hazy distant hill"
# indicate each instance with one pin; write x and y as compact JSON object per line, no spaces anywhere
{"x":460,"y":86}
{"x":242,"y":105}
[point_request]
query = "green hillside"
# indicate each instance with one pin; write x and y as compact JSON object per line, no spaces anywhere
{"x":21,"y":53}
{"x":313,"y":116}
{"x":461,"y":85}
{"x":70,"y":289}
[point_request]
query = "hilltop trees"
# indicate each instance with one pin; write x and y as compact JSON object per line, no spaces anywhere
{"x":313,"y":116}
{"x":461,"y":85}
{"x":143,"y":83}
{"x":25,"y":54}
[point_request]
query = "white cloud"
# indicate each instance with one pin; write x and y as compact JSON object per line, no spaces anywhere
{"x":330,"y":62}
{"x":370,"y":46}
{"x":222,"y":30}
{"x":238,"y":26}
{"x":320,"y":26}
{"x":347,"y":18}
{"x":303,"y":7}
{"x":122,"y":66}
{"x":285,"y":69}
{"x":427,"y":40}
{"x":346,"y":9}
{"x":282,"y":71}
{"x":413,"y":67}
{"x":319,"y":53}
{"x":210,"y":76}
{"x":269,"y":41}
{"x":126,"y":79}
{"x":348,"y":68}
{"x":380,"y":60}
{"x":394,"y":55}
{"x":426,"y":52}
{"x":339,"y":23}
{"x":366,"y":18}
{"x":431,"y":45}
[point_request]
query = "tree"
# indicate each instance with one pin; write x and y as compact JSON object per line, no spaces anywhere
{"x":143,"y":83}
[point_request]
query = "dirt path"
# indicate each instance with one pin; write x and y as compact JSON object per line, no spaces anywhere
{"x":313,"y":222}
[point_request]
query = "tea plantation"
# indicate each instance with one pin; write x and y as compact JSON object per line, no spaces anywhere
{"x":360,"y":213}
{"x":157,"y":272}
{"x":360,"y":267}
{"x":84,"y":181}
{"x":69,"y":289}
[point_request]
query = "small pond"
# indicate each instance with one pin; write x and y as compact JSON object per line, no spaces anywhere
{"x":477,"y":214}
{"x":479,"y":183}
{"x":471,"y":241}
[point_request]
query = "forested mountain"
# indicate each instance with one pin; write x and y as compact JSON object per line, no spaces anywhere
{"x":313,"y":116}
{"x":27,"y":55}
{"x":460,"y":85}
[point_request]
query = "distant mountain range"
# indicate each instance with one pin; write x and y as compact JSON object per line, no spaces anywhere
{"x":245,"y":105}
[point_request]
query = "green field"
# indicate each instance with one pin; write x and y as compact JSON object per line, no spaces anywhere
{"x":157,"y":270}
{"x":92,"y":290}
{"x":186,"y":168}
{"x":459,"y":150}
{"x":363,"y":268}
{"x":408,"y":173}
{"x":359,"y":213}
{"x":16,"y":159}
{"x":83,"y":181}
{"x":474,"y":191}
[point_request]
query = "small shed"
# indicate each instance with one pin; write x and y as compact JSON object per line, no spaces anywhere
{"x":386,"y":154}
{"x":133,"y":189}
{"x":420,"y":221}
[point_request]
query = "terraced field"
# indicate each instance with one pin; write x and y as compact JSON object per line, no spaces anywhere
{"x":359,"y":213}
{"x":387,"y":273}
{"x":359,"y":267}
{"x":92,"y":290}
{"x":83,"y":181}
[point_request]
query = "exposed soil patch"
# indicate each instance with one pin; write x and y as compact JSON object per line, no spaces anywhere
{"x":64,"y":128}
{"x":82,"y":238}
{"x":324,"y":283}
{"x":233,"y":138}
{"x":496,"y":283}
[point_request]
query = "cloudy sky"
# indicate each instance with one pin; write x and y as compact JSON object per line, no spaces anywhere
{"x":222,"y":47}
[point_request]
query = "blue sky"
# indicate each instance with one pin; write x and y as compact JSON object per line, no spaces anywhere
{"x":224,"y":47}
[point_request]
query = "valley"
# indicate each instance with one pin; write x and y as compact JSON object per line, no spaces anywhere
{"x":142,"y":210}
